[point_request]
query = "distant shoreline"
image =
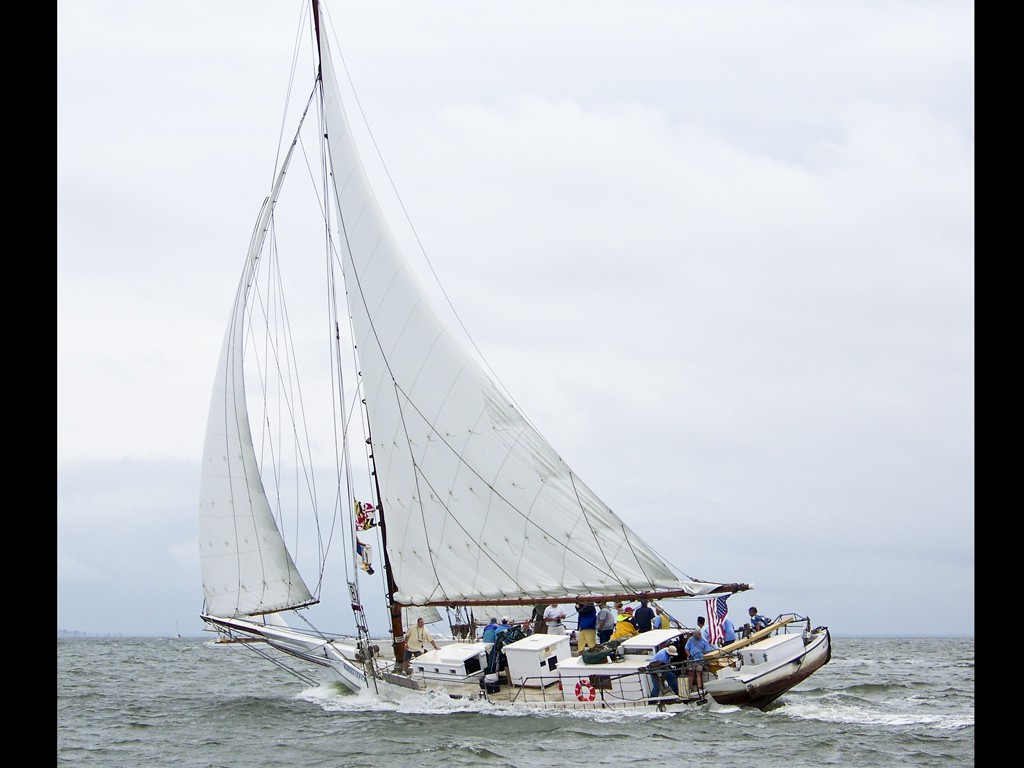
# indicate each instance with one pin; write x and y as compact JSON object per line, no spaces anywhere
{"x":64,"y":634}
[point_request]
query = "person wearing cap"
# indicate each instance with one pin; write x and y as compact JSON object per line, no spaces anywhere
{"x":663,"y":670}
{"x":491,"y":630}
{"x":624,"y":626}
{"x":586,"y":626}
{"x":504,"y":626}
{"x":695,"y":648}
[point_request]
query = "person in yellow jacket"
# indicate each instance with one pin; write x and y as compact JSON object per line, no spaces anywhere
{"x":624,"y":626}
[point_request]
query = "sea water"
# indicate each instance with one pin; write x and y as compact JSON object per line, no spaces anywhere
{"x":131,"y":702}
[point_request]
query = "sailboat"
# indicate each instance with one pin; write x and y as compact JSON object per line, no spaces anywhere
{"x":425,"y":479}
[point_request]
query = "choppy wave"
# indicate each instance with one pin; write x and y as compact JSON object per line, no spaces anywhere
{"x":124,"y":703}
{"x":335,"y":698}
{"x":889,"y":710}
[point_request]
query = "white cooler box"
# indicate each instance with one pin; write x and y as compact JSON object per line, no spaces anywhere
{"x":650,"y":642}
{"x":455,"y":661}
{"x":535,"y":656}
{"x":772,"y":649}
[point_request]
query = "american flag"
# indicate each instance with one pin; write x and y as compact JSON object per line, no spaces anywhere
{"x":716,"y":610}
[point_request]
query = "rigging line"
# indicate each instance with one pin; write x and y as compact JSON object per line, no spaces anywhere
{"x":308,"y":680}
{"x":290,"y":360}
{"x":676,"y":568}
{"x":455,"y":520}
{"x":343,"y":229}
{"x":295,"y":413}
{"x":343,"y":464}
{"x":249,"y":333}
{"x":321,"y":197}
{"x":483,"y":551}
{"x":296,"y":47}
{"x":270,"y":230}
{"x":267,"y":433}
{"x":671,"y":618}
{"x":324,"y":546}
{"x":586,"y":517}
{"x":326,"y":637}
{"x":629,"y":543}
{"x":348,"y":415}
{"x":493,"y":490}
{"x":413,"y":464}
{"x":350,"y":412}
{"x":627,"y":532}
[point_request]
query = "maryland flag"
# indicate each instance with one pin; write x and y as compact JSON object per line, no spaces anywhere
{"x":366,"y":516}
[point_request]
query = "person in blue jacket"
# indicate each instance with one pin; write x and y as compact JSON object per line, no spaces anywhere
{"x":491,"y":630}
{"x":757,"y":620}
{"x":696,"y":647}
{"x":666,"y":655}
{"x":586,"y":626}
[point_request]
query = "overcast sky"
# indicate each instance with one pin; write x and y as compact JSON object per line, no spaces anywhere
{"x":721,"y":254}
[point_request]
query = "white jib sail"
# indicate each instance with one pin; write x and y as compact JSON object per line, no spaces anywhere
{"x":245,"y":564}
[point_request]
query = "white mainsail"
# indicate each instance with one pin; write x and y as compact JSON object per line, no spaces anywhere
{"x":478,"y":506}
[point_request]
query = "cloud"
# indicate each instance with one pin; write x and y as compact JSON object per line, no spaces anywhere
{"x":723,"y":256}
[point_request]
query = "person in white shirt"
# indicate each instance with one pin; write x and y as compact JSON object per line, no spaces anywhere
{"x":553,"y":616}
{"x":415,"y":644}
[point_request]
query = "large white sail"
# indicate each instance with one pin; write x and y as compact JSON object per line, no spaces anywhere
{"x":478,"y":506}
{"x":246,"y":567}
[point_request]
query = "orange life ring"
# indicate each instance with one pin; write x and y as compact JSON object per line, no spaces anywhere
{"x":585,"y":691}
